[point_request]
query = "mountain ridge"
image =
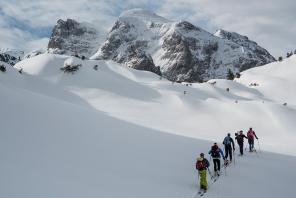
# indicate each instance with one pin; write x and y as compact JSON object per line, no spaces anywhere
{"x":179,"y":51}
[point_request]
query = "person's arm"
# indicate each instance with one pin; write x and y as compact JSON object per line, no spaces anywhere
{"x":210,"y":152}
{"x":208,"y":163}
{"x":221,"y":152}
{"x":245,"y":136}
{"x":224,"y":141}
{"x":255,"y":135}
{"x":232,"y":143}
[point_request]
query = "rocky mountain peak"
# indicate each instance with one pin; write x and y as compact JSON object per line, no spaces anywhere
{"x":73,"y":38}
{"x":181,"y":51}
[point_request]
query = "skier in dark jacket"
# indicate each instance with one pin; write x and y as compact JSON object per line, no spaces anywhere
{"x":228,"y":141}
{"x":240,"y":141}
{"x":216,"y":154}
{"x":251,"y":134}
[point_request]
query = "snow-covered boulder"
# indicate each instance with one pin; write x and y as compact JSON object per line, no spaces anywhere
{"x":71,"y":65}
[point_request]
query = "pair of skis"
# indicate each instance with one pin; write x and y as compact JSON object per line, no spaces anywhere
{"x":201,"y":192}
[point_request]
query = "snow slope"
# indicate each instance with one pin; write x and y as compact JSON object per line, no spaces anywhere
{"x":117,"y":132}
{"x":276,"y":80}
{"x":51,"y":148}
{"x":206,"y":111}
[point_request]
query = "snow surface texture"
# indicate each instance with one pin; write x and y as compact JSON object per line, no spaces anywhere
{"x":117,"y":132}
{"x":183,"y":52}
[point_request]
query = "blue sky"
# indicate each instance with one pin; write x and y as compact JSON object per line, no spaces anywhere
{"x":27,"y":24}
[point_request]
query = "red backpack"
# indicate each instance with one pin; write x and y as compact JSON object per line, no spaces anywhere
{"x":200,"y":165}
{"x":250,"y":134}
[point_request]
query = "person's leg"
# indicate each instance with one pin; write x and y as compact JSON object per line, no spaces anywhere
{"x":203,"y":179}
{"x":230,"y":153}
{"x":219,"y":164}
{"x":252,"y":144}
{"x":226,"y":151}
{"x":241,"y":149}
{"x":215,"y":165}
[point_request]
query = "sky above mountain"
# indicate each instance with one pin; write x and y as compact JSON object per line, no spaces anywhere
{"x":27,"y":24}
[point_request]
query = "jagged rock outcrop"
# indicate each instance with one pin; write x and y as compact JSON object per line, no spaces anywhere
{"x":11,"y":56}
{"x":73,"y":38}
{"x":182,"y":52}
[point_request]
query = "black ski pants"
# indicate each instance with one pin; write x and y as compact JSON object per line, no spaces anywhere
{"x":241,"y":148}
{"x":228,"y":151}
{"x":251,"y":144}
{"x":216,"y":162}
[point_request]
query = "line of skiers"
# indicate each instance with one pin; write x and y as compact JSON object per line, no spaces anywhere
{"x":202,"y":164}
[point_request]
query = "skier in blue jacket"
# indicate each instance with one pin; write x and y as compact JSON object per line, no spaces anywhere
{"x":228,"y":141}
{"x":216,"y":154}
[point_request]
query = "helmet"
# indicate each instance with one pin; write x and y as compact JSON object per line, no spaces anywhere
{"x":202,"y":154}
{"x":228,"y":134}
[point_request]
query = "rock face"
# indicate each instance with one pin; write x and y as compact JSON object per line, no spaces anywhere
{"x":11,"y":56}
{"x":256,"y":54}
{"x":73,"y":38}
{"x":179,"y":51}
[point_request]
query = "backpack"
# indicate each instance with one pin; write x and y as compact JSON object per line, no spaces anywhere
{"x":250,"y":134}
{"x":227,"y":140}
{"x":240,"y":139}
{"x":215,"y":151}
{"x":200,"y":165}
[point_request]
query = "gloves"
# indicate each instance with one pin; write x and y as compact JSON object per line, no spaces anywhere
{"x":224,"y":158}
{"x":233,"y":149}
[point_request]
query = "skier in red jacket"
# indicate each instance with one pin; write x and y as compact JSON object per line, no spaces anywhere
{"x":251,"y":135}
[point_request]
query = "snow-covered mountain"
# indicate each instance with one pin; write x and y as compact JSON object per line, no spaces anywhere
{"x":11,"y":56}
{"x":92,"y":128}
{"x":73,"y":38}
{"x":179,"y":50}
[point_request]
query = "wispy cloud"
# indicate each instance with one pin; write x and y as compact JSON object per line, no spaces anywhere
{"x":271,"y":23}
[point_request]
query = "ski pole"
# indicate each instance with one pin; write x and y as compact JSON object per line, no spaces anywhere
{"x":233,"y":153}
{"x":225,"y":168}
{"x":210,"y":173}
{"x":259,"y":145}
